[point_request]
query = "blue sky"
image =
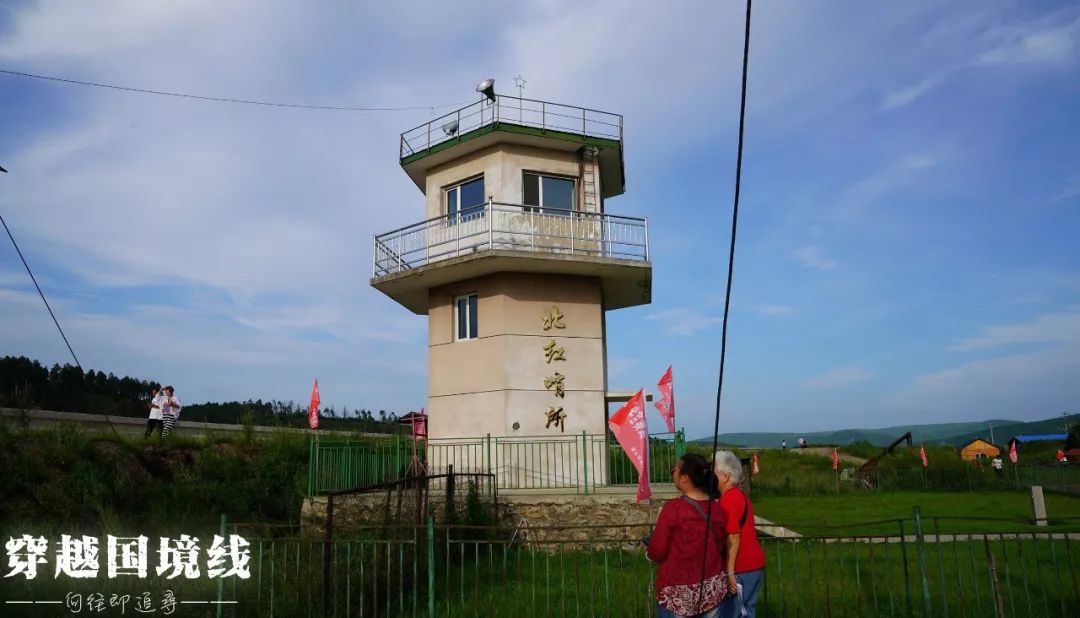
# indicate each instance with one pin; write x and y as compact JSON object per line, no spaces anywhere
{"x":908,"y":247}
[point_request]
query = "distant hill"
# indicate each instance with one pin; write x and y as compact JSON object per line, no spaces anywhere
{"x":938,"y":433}
{"x":1002,"y":433}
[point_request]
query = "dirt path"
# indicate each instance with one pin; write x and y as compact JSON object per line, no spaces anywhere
{"x":825,"y":451}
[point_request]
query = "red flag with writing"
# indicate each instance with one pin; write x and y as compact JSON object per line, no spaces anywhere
{"x":835,"y":459}
{"x":922,"y":456}
{"x":1013,"y":457}
{"x":666,"y":403}
{"x":756,"y":469}
{"x":632,"y":433}
{"x":313,"y":407}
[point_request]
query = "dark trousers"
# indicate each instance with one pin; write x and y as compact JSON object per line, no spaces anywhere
{"x":151,"y":424}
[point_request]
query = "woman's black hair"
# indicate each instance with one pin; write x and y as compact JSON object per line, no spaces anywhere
{"x":700,"y":472}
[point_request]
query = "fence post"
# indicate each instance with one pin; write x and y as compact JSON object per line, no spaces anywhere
{"x":311,"y":466}
{"x":907,"y":577}
{"x":920,"y":544}
{"x":995,"y":585}
{"x":397,"y":457}
{"x":680,"y":443}
{"x":490,"y":483}
{"x":585,"y":459}
{"x":221,"y":580}
{"x":326,"y":552}
{"x":431,"y":565}
{"x":450,"y":486}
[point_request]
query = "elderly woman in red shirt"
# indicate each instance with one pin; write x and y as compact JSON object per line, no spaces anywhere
{"x":746,"y":560}
{"x":682,"y":543}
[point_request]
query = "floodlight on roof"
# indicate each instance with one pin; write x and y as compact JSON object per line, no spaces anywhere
{"x":487,"y":88}
{"x":450,"y":128}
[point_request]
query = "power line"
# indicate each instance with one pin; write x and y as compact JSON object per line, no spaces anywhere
{"x":47,"y":307}
{"x":40,"y":293}
{"x":183,"y":95}
{"x":730,"y":274}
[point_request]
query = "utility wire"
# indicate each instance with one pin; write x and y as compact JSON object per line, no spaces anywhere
{"x":47,"y":307}
{"x":183,"y":95}
{"x":727,"y":293}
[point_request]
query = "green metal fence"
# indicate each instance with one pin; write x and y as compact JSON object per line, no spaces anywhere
{"x":338,"y":465}
{"x":579,"y":462}
{"x":966,"y":477}
{"x":436,"y":570}
{"x":588,"y":571}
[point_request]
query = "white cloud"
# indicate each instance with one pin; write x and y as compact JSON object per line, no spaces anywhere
{"x":1070,"y":190}
{"x":909,"y":95}
{"x":810,"y":256}
{"x":901,"y":173}
{"x":1051,"y":328}
{"x":1050,"y":39}
{"x":684,"y":321}
{"x":1033,"y":385}
{"x":839,"y":378}
{"x":775,"y":310}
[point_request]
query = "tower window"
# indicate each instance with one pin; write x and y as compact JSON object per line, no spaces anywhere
{"x":550,"y":194}
{"x":465,"y":201}
{"x":465,"y":317}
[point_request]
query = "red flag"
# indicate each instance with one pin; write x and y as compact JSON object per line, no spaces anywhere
{"x":1013,"y":457}
{"x":632,"y":433}
{"x":666,"y":404}
{"x":313,"y":408}
{"x":835,"y":459}
{"x":756,"y":469}
{"x":922,"y":456}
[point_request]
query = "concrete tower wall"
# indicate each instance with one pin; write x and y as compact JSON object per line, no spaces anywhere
{"x":487,"y":384}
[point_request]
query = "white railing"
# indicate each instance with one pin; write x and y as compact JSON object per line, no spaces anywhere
{"x":511,"y":227}
{"x":505,"y":109}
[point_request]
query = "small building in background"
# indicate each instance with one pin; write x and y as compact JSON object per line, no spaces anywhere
{"x":978,"y":449}
{"x":1050,"y":437}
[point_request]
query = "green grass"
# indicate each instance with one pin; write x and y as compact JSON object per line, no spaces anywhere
{"x":64,"y":480}
{"x":840,"y":514}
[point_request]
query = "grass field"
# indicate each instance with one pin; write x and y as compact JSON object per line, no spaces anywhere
{"x":834,"y":514}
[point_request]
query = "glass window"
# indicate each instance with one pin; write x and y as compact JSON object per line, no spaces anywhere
{"x":466,"y":316}
{"x":553,"y":194}
{"x":466,"y":200}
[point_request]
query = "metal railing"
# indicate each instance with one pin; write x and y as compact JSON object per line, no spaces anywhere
{"x":539,"y":115}
{"x":1064,"y":479}
{"x":515,"y":227}
{"x":578,"y":462}
{"x":896,"y":567}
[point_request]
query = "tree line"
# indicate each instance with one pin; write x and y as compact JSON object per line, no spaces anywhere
{"x":27,"y":384}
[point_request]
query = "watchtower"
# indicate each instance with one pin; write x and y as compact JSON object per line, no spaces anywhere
{"x":516,"y":263}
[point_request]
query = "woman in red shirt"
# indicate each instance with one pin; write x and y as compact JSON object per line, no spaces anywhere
{"x":746,"y":560}
{"x":680,"y":541}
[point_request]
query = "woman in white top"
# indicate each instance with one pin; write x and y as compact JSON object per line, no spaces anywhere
{"x":170,"y":411}
{"x":157,"y":399}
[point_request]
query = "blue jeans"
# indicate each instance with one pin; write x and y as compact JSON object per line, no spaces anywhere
{"x":663,"y":613}
{"x":751,"y":585}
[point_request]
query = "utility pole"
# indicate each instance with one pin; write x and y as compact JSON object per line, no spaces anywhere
{"x":1065,"y":415}
{"x":992,"y":434}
